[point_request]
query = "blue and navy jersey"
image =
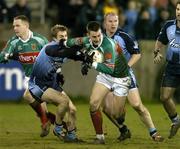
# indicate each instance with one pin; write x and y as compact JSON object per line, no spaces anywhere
{"x":170,"y":35}
{"x":45,"y":67}
{"x":128,"y":45}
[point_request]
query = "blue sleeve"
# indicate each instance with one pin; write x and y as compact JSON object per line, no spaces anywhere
{"x":131,"y":45}
{"x":162,"y":37}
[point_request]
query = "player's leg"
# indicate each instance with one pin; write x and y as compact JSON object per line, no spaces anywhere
{"x":135,"y":101}
{"x":99,"y":91}
{"x":169,"y":83}
{"x":62,"y":103}
{"x":41,"y":112}
{"x":169,"y":106}
{"x":116,"y":116}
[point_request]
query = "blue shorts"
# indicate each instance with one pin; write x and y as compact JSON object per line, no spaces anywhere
{"x":37,"y":89}
{"x":171,"y":76}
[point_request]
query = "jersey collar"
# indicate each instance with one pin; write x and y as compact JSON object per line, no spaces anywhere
{"x":29,"y":36}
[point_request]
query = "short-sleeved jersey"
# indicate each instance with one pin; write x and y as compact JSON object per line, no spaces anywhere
{"x":28,"y":50}
{"x":114,"y":63}
{"x":128,"y":45}
{"x":170,"y":34}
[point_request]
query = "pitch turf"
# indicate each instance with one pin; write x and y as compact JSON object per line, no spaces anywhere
{"x":19,"y":129}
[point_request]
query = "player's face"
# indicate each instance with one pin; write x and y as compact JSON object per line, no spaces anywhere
{"x":20,"y":27}
{"x":178,"y":12}
{"x":111,"y":23}
{"x":62,"y":35}
{"x":95,"y":37}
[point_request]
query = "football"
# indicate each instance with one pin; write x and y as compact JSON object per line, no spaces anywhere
{"x":98,"y":56}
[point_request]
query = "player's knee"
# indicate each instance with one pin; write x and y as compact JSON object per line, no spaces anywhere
{"x":73,"y":111}
{"x":94,"y":105}
{"x":139,"y":108}
{"x":27,"y":97}
{"x":164,"y":97}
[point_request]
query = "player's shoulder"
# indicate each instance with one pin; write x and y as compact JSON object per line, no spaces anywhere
{"x":39,"y":38}
{"x":169,"y":23}
{"x":13,"y":40}
{"x":35,"y":34}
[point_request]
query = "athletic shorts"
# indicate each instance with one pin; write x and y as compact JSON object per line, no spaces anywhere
{"x":171,"y":76}
{"x":133,"y":80}
{"x":37,"y":89}
{"x":119,"y":86}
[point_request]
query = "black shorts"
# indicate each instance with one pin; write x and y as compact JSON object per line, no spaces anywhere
{"x":171,"y":76}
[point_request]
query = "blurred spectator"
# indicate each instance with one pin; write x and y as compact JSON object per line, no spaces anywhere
{"x":144,"y":27}
{"x":91,"y":11}
{"x":171,"y":8}
{"x":131,"y":17}
{"x":3,"y":11}
{"x":19,"y":8}
{"x":162,"y":3}
{"x":68,"y":11}
{"x":110,"y":6}
{"x":122,"y":18}
{"x":151,"y":4}
{"x":163,"y":16}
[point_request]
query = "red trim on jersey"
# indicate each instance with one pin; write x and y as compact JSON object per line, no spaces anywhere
{"x":28,"y":58}
{"x":108,"y":56}
{"x":110,"y":65}
{"x":118,"y":49}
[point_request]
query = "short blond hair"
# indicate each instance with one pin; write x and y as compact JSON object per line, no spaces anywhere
{"x":110,"y":14}
{"x":56,"y":28}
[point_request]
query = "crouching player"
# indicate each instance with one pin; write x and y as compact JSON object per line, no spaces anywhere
{"x":46,"y":78}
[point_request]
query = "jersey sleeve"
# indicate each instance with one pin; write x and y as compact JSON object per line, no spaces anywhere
{"x":76,"y":41}
{"x":162,"y":37}
{"x":131,"y":45}
{"x":9,"y":48}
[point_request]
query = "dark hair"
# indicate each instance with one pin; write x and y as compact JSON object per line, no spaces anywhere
{"x":178,"y":2}
{"x":56,"y":28}
{"x":93,"y":26}
{"x":22,"y":17}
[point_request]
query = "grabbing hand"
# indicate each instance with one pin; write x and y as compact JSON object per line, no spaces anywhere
{"x":84,"y":68}
{"x":157,"y":57}
{"x":61,"y":43}
{"x":89,"y":58}
{"x":60,"y":79}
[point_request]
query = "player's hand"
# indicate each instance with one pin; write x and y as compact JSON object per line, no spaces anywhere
{"x":157,"y":57}
{"x":60,"y":79}
{"x":84,"y":68}
{"x":14,"y":56}
{"x":89,"y":58}
{"x":61,"y":43}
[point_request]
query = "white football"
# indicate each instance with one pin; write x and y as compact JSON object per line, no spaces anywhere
{"x":98,"y":56}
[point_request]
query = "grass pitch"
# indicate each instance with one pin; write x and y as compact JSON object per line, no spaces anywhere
{"x":20,"y":128}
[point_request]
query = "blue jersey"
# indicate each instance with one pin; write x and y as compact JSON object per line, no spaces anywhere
{"x":45,"y":67}
{"x":170,"y":35}
{"x":128,"y":45}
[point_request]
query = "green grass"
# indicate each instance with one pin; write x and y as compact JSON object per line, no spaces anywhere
{"x":20,"y":128}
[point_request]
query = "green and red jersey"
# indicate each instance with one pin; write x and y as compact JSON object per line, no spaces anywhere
{"x":114,"y":63}
{"x":28,"y":50}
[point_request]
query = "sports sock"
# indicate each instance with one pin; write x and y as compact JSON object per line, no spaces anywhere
{"x":40,"y":112}
{"x":152,"y":131}
{"x":123,"y":129}
{"x":97,"y":121}
{"x":175,"y":118}
{"x":51,"y":116}
{"x":120,"y":120}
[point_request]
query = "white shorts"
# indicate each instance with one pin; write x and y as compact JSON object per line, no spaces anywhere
{"x":120,"y":86}
{"x":26,"y":81}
